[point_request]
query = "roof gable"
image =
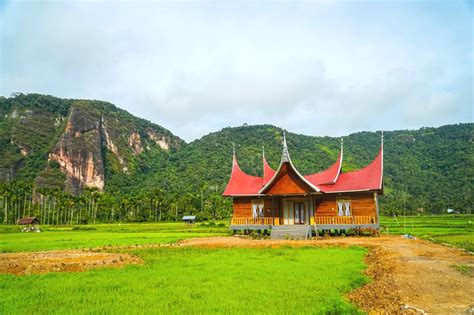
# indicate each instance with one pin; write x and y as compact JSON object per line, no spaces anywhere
{"x":285,"y":166}
{"x":287,"y":182}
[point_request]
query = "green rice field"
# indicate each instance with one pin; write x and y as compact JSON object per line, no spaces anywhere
{"x":198,"y":281}
{"x":91,"y":236}
{"x":456,"y":230}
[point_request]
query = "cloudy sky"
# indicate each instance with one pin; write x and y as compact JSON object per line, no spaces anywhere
{"x":313,"y":67}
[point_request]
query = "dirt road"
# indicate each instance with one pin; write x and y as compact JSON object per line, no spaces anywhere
{"x":409,"y":276}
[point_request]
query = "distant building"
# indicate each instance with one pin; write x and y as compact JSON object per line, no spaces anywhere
{"x":31,"y":224}
{"x":326,"y":200}
{"x":189,"y":219}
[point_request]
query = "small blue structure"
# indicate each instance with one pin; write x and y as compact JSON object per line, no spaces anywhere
{"x":189,"y":219}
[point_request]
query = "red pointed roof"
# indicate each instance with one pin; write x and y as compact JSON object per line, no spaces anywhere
{"x":328,"y":176}
{"x":268,"y":172}
{"x":241,"y":183}
{"x":330,"y":180}
{"x":368,"y":178}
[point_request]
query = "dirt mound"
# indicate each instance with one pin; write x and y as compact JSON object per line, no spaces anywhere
{"x":67,"y":260}
{"x":408,"y":276}
{"x":378,"y":296}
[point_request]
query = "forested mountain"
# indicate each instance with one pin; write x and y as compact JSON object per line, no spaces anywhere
{"x":72,"y":144}
{"x":429,"y":168}
{"x":78,"y":160}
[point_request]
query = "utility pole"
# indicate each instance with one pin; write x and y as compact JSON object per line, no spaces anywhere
{"x":176,"y":215}
{"x":202,"y":203}
{"x":404,"y":209}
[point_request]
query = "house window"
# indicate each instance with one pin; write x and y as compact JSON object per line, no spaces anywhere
{"x":344,"y":207}
{"x":257,"y":208}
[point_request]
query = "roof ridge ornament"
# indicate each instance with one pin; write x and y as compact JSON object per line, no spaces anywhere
{"x":285,"y":155}
{"x":382,"y":138}
{"x":263,"y":151}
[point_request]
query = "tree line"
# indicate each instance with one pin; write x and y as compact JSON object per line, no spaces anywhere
{"x":56,"y":207}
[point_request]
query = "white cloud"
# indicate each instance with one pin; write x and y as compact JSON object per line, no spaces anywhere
{"x":194,"y":67}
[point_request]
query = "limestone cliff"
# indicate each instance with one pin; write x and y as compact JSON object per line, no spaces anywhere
{"x":79,"y":150}
{"x":94,"y":139}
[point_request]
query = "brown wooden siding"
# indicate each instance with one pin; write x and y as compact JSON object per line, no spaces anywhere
{"x":242,"y":207}
{"x":326,"y":206}
{"x":362,"y":204}
{"x":269,"y":206}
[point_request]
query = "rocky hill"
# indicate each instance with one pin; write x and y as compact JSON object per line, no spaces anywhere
{"x":72,"y":144}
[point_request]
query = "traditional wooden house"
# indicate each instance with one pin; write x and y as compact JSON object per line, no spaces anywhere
{"x":327,"y":200}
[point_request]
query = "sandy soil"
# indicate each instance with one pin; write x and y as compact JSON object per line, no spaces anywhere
{"x":64,"y":260}
{"x":409,"y":276}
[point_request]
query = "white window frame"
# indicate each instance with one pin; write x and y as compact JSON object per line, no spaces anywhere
{"x":344,"y":210}
{"x":257,"y":208}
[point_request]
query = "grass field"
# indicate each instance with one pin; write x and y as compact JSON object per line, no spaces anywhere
{"x":198,"y":281}
{"x":91,"y":236}
{"x":457,"y":230}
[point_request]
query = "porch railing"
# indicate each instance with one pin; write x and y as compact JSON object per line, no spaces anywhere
{"x":345,"y":220}
{"x":253,"y":221}
{"x":313,"y":220}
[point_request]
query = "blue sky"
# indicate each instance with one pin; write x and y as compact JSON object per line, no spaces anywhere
{"x":313,"y":67}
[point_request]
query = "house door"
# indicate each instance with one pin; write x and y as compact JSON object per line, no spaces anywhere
{"x":288,"y":213}
{"x":299,"y":209}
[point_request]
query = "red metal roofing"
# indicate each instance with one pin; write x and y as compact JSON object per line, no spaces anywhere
{"x":368,"y":178}
{"x":268,"y":172}
{"x":241,"y":183}
{"x":328,"y":181}
{"x":328,"y":176}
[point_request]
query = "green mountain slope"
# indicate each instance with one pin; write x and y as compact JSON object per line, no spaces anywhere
{"x":53,"y":147}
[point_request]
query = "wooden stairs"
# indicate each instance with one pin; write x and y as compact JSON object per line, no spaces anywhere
{"x":290,"y":232}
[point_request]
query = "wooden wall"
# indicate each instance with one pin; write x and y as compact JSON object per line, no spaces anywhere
{"x":268,"y":206}
{"x":242,"y":207}
{"x":361,"y":203}
{"x":326,"y":206}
